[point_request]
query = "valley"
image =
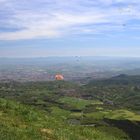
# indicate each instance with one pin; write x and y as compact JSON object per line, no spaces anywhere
{"x":106,"y":109}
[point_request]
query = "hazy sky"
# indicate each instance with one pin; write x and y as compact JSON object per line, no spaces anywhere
{"x":39,"y":28}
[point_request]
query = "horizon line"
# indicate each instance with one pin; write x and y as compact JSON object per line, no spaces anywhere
{"x":11,"y":57}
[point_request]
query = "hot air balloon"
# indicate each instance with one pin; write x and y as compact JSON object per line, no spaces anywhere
{"x":59,"y":77}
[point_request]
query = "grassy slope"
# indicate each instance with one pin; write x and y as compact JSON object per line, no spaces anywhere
{"x":19,"y":121}
{"x":77,"y":102}
{"x":22,"y":122}
{"x":123,"y":90}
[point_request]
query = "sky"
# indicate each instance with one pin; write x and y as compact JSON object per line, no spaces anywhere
{"x":41,"y":28}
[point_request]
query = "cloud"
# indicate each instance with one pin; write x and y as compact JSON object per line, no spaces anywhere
{"x":55,"y":18}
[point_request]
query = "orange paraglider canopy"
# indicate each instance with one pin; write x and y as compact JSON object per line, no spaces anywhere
{"x":59,"y":77}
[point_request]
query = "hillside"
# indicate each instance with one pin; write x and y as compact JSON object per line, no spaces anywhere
{"x":123,"y":90}
{"x":61,"y":110}
{"x":22,"y":122}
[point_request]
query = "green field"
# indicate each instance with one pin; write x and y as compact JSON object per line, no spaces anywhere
{"x":67,"y":111}
{"x":19,"y":121}
{"x":77,"y":102}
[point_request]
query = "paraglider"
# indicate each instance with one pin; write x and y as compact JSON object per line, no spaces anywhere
{"x":59,"y":77}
